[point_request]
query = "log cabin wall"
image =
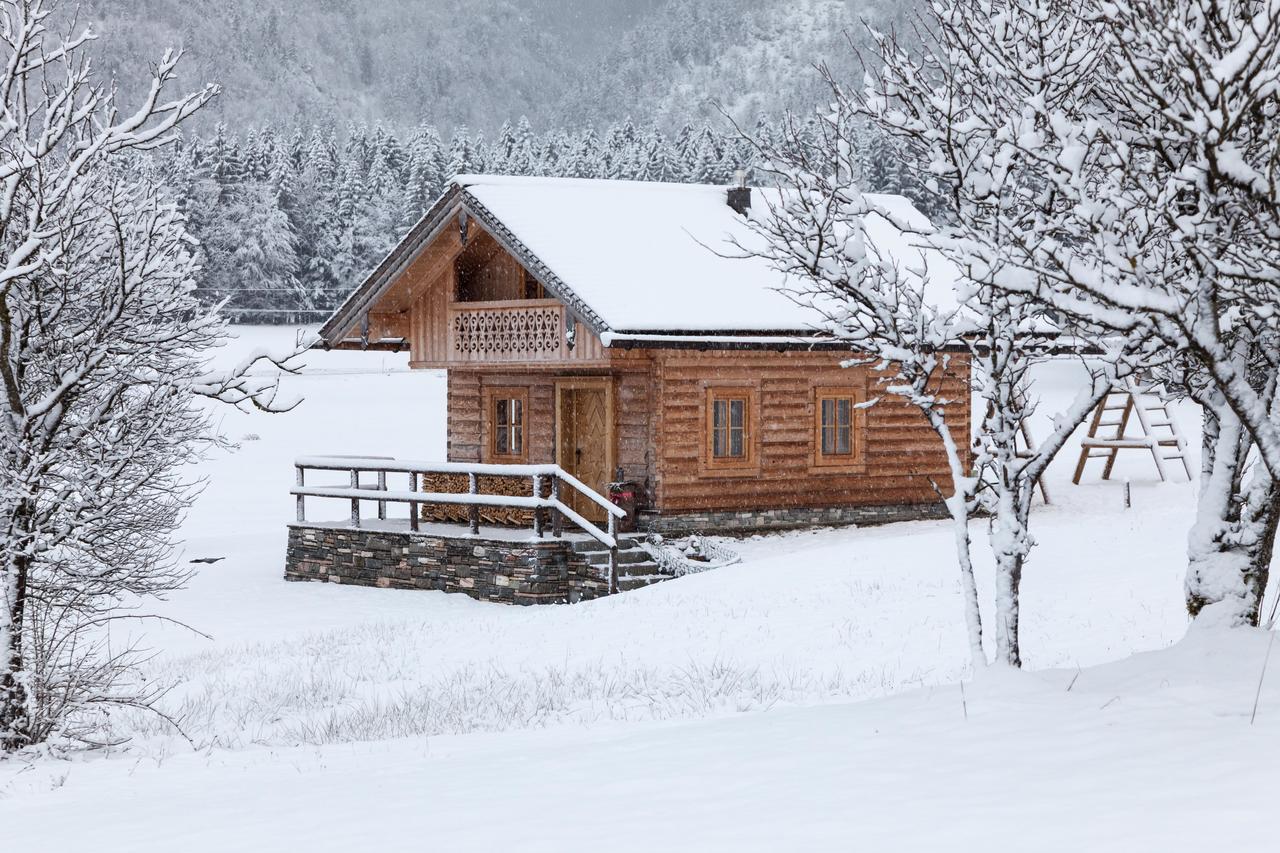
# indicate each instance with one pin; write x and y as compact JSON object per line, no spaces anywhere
{"x":633,"y":396}
{"x":899,"y":456}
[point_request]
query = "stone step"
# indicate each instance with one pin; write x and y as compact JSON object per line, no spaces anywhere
{"x":626,"y":542}
{"x":601,"y":558}
{"x":643,"y":567}
{"x":626,"y":584}
{"x":636,"y":570}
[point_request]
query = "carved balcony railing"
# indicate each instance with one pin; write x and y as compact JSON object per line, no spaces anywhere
{"x":529,"y":330}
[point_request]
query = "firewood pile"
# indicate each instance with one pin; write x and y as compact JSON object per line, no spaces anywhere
{"x":488,"y":485}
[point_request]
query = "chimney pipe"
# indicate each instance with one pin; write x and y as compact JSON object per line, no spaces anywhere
{"x":740,"y":195}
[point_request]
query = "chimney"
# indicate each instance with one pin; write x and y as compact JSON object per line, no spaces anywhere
{"x":740,"y":195}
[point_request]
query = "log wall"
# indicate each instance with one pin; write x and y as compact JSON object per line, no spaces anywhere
{"x":633,"y":391}
{"x":900,"y":454}
{"x":660,"y":428}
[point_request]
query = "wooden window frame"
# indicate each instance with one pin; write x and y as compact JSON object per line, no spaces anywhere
{"x":491,"y":397}
{"x":743,"y":466}
{"x":852,"y":463}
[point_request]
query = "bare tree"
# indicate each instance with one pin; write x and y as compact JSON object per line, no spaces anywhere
{"x":103,"y":366}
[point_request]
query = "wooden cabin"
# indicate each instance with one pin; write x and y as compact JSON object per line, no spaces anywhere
{"x":614,"y":329}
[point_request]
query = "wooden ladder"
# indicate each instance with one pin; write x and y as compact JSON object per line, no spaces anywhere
{"x":1160,"y":436}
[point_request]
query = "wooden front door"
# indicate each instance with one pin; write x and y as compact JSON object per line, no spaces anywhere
{"x":584,"y":439}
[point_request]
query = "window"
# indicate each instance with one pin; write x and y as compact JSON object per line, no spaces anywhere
{"x":507,"y":410}
{"x":731,"y":433}
{"x":729,"y":428}
{"x":837,"y":422}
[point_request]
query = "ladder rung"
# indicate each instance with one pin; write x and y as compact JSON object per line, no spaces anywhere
{"x":1117,"y":443}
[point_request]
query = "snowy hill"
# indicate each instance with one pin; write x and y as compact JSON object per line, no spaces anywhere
{"x":482,"y":62}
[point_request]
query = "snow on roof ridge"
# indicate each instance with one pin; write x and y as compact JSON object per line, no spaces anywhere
{"x":472,"y":180}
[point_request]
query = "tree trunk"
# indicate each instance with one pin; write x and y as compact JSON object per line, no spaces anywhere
{"x":957,"y":505}
{"x":1231,"y":543}
{"x":15,"y":729}
{"x":1009,"y":536}
{"x":1260,"y":558}
{"x":960,"y":506}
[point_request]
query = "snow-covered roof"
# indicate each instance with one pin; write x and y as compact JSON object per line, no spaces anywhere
{"x":647,"y":258}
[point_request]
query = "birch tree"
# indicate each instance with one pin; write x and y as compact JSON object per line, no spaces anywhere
{"x":103,"y":353}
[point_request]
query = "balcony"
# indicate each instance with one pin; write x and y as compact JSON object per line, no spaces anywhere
{"x":517,"y":331}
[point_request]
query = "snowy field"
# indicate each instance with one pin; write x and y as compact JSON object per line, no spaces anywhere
{"x":807,"y":698}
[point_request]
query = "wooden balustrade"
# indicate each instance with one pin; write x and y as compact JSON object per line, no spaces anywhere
{"x":517,"y":332}
{"x":530,"y":330}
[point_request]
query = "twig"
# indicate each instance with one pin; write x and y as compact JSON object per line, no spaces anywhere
{"x":1073,"y":679}
{"x":964,"y":703}
{"x":1258,"y":695}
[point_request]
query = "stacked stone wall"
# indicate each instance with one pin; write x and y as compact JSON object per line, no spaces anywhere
{"x":510,"y":572}
{"x":764,"y":520}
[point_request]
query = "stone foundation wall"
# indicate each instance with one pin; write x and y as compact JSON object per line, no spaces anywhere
{"x":764,"y":520}
{"x":528,"y":572}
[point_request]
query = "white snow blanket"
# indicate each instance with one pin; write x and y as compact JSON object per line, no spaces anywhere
{"x":670,"y":257}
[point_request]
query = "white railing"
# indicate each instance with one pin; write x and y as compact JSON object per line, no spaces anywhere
{"x":380,"y":493}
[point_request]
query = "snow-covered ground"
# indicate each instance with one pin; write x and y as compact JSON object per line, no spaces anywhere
{"x":720,"y":711}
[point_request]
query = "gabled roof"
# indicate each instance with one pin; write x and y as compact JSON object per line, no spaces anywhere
{"x":634,"y":260}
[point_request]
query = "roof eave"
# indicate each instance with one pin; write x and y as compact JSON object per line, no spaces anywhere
{"x":392,"y":266}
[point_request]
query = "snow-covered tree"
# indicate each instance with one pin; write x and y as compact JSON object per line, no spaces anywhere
{"x":103,"y":352}
{"x":1127,"y":155}
{"x":1170,"y":220}
{"x":815,"y":234}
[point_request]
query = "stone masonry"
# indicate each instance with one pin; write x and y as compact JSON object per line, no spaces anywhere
{"x":512,"y":572}
{"x":729,"y":523}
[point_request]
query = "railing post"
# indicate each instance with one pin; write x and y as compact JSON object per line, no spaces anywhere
{"x":537,"y":511}
{"x":557,"y":521}
{"x":413,"y":507}
{"x":613,"y":555}
{"x":302,"y":499}
{"x":382,"y":487}
{"x":355,"y":502}
{"x":473,"y":510}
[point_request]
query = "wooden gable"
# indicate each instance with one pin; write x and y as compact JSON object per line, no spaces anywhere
{"x":473,"y":304}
